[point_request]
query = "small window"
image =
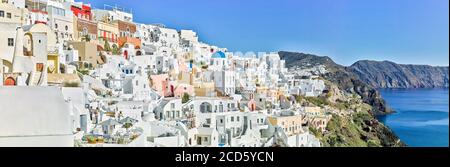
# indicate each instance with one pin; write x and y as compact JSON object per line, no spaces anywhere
{"x":56,"y":25}
{"x":10,"y":41}
{"x":238,"y":119}
{"x":232,"y":119}
{"x":67,"y":28}
{"x":8,"y":15}
{"x":2,"y":13}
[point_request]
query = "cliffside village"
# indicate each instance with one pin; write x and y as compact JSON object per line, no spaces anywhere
{"x":72,"y":75}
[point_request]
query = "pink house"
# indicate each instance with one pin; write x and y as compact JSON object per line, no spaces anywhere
{"x":171,"y":85}
{"x":160,"y":83}
{"x":182,"y":89}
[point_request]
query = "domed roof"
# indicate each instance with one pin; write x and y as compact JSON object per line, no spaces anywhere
{"x":219,"y":54}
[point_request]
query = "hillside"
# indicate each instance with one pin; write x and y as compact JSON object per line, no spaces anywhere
{"x":339,"y":75}
{"x":386,"y":74}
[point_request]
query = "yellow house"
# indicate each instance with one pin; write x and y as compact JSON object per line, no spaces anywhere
{"x":204,"y":89}
{"x":185,"y":78}
{"x":53,"y":64}
{"x":108,"y":31}
{"x":87,"y":53}
{"x":291,"y":125}
{"x":313,"y":111}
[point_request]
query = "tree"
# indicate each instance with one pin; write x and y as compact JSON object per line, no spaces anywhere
{"x":106,"y":45}
{"x":86,"y":38}
{"x":185,"y":98}
{"x":115,"y":50}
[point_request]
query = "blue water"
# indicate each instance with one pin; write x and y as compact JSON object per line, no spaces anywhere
{"x":421,"y":118}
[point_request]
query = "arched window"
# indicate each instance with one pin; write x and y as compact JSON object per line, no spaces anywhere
{"x":28,"y":45}
{"x":205,"y":107}
{"x":125,"y":54}
{"x":220,"y":107}
{"x":10,"y":82}
{"x":85,"y":31}
{"x":138,"y":53}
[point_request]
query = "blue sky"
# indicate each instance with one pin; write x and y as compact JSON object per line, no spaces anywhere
{"x":403,"y":31}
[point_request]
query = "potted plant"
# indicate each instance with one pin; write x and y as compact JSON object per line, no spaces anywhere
{"x":91,"y":140}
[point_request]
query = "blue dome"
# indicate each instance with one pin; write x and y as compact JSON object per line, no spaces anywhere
{"x":219,"y":54}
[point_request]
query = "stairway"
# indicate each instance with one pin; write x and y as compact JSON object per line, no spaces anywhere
{"x":36,"y":78}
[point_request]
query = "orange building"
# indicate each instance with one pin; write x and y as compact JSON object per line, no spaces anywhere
{"x":127,"y":31}
{"x":135,"y":41}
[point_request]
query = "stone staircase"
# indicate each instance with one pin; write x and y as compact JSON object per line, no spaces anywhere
{"x":36,"y":79}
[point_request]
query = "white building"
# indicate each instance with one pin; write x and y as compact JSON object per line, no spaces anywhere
{"x":76,"y":99}
{"x":169,"y":109}
{"x":169,"y":38}
{"x":149,"y":34}
{"x":225,"y":82}
{"x":60,"y":20}
{"x":7,"y":45}
{"x":138,"y":86}
{"x":68,"y":55}
{"x":218,"y":61}
{"x":303,"y":140}
{"x":189,"y":35}
{"x":38,"y":123}
{"x":108,"y":16}
{"x":17,"y":3}
{"x":208,"y":137}
{"x":308,"y":87}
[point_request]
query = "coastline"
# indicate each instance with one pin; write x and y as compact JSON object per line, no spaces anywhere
{"x":419,"y":113}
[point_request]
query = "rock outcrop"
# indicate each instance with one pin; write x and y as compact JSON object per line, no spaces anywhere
{"x":386,"y":74}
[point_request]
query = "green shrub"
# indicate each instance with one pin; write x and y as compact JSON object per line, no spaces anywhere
{"x":185,"y":98}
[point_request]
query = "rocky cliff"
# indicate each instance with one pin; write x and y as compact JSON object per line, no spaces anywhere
{"x":386,"y":74}
{"x":341,"y":76}
{"x":353,"y":121}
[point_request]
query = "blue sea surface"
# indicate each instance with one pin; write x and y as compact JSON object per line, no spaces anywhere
{"x":421,"y":118}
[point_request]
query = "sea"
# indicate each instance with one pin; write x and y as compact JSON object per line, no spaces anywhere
{"x":421,"y":118}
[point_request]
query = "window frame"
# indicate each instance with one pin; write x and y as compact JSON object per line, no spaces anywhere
{"x":10,"y":41}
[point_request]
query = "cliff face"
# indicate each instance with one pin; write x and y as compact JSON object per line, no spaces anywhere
{"x":387,"y":74}
{"x":339,"y":75}
{"x":360,"y":130}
